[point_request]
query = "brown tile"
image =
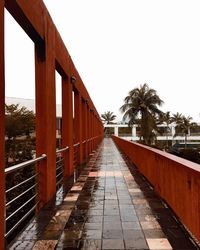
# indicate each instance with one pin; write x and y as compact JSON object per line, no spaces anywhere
{"x":160,"y":244}
{"x":45,"y":244}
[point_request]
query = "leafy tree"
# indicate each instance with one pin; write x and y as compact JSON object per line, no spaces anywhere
{"x":142,"y":103}
{"x":108,"y":117}
{"x":19,"y":122}
{"x":165,"y":118}
{"x":183,"y":125}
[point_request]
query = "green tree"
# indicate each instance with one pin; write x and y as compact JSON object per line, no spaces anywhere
{"x":183,"y":125}
{"x":166,"y":119}
{"x":108,"y":117}
{"x":141,"y":105}
{"x":19,"y":122}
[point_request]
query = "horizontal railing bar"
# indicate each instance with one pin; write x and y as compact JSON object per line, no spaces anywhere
{"x":22,"y":219}
{"x":77,"y":144}
{"x":59,"y":174}
{"x":20,"y":207}
{"x":59,"y":161}
{"x":8,"y":203}
{"x":24,"y":164}
{"x":59,"y":167}
{"x":21,"y":183}
{"x":62,"y":150}
{"x":57,"y":183}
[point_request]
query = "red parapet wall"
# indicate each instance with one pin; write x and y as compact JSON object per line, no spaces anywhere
{"x":175,"y":179}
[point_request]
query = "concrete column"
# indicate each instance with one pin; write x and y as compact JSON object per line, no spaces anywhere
{"x":78,"y":127}
{"x":46,"y":114}
{"x":2,"y":126}
{"x":67,"y":126}
{"x":133,"y":131}
{"x":116,"y":131}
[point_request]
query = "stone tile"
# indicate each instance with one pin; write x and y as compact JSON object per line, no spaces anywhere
{"x":160,"y":244}
{"x":112,"y":234}
{"x":137,"y":244}
{"x":94,"y":234}
{"x":116,"y":244}
{"x":130,"y":225}
{"x":89,"y":226}
{"x":154,"y":233}
{"x":113,"y":225}
{"x":111,"y":218}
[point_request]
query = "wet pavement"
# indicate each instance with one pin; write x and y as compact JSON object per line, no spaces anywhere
{"x":111,"y":206}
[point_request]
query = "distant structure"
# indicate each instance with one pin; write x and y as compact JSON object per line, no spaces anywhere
{"x":133,"y":133}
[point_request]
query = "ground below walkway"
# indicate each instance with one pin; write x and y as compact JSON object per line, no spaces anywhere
{"x":109,"y":207}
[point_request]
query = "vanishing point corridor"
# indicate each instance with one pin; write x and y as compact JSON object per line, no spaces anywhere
{"x":108,"y":207}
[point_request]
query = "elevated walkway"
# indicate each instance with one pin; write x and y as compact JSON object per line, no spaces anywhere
{"x":111,"y":206}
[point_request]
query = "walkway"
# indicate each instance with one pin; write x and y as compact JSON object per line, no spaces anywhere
{"x":107,"y":208}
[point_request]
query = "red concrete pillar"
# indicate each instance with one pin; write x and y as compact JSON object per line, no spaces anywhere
{"x":83,"y":128}
{"x":78,"y":123}
{"x":67,"y":126}
{"x":2,"y":126}
{"x":46,"y":114}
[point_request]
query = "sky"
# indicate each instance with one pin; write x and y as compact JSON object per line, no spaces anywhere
{"x":117,"y":45}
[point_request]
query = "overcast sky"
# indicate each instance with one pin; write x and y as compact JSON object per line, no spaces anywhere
{"x":117,"y":45}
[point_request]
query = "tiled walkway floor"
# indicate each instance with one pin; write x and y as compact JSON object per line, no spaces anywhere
{"x":108,"y":208}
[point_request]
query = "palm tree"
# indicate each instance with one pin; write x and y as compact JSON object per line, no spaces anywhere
{"x":108,"y":117}
{"x":142,"y":103}
{"x":183,"y":125}
{"x":165,"y":118}
{"x":176,"y":118}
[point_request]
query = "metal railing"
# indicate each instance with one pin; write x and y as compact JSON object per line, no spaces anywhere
{"x":76,"y":154}
{"x":59,"y":167}
{"x":21,"y":193}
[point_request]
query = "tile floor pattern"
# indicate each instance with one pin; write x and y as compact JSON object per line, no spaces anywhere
{"x":109,"y":207}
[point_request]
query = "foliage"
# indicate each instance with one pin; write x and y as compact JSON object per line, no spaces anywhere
{"x":108,"y":117}
{"x":183,"y":124}
{"x":190,"y":154}
{"x":141,"y":106}
{"x":19,"y":121}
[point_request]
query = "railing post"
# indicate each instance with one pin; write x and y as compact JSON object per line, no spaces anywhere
{"x":78,"y":124}
{"x":67,"y":126}
{"x":46,"y":114}
{"x":2,"y":126}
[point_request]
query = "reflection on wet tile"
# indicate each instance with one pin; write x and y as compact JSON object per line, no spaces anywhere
{"x":90,"y":245}
{"x":22,"y":245}
{"x":113,"y":244}
{"x":154,"y":233}
{"x":160,"y":244}
{"x":45,"y":244}
{"x":94,"y":234}
{"x":150,"y":225}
